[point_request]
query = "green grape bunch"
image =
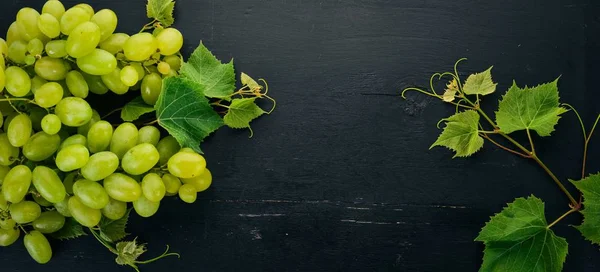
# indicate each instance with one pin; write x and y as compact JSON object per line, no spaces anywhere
{"x":62,"y":168}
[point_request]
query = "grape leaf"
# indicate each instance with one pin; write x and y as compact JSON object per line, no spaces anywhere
{"x":518,"y":240}
{"x":70,"y":230}
{"x":114,"y":230}
{"x":161,"y":10}
{"x":480,"y":83}
{"x":534,"y":108}
{"x":250,"y":82}
{"x":590,"y":187}
{"x":216,"y":80}
{"x":128,"y":252}
{"x":461,"y":134}
{"x":241,"y":112}
{"x":135,"y":109}
{"x":186,"y":113}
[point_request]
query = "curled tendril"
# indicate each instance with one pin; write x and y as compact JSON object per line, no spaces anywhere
{"x":437,"y":77}
{"x":439,"y":123}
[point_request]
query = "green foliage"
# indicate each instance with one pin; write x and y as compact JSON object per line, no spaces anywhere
{"x":480,"y":83}
{"x":114,"y":230}
{"x":161,"y":10}
{"x":241,"y":112}
{"x":70,"y":230}
{"x":135,"y":109}
{"x":215,"y":79}
{"x":461,"y":134}
{"x":590,"y":187}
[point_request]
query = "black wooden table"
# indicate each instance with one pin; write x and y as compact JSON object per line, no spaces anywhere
{"x":340,"y":177}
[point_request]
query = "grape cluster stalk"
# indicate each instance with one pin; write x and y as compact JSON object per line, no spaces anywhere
{"x":58,"y":158}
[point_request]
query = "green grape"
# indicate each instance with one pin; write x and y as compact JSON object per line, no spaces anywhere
{"x":36,"y":83}
{"x":174,"y":62}
{"x":25,"y":212}
{"x":87,"y":8}
{"x":12,"y":34}
{"x":7,"y":223}
{"x":140,"y":47}
{"x":56,"y":49}
{"x":17,"y":81}
{"x":169,"y":41}
{"x":8,"y":120}
{"x":83,"y":214}
{"x":153,"y":187}
{"x":167,"y":147}
{"x":49,"y":222}
{"x":72,"y":157}
{"x":8,"y":153}
{"x":124,"y":138}
{"x":172,"y":184}
{"x":90,"y":193}
{"x":9,"y":236}
{"x":19,"y":130}
{"x":16,"y":184}
{"x":72,"y":18}
{"x":69,"y":181}
{"x":98,"y":63}
{"x":149,"y":134}
{"x":2,"y":81}
{"x":99,"y":136}
{"x":129,"y":76}
{"x":55,"y":8}
{"x":122,"y":187}
{"x":200,"y":182}
{"x":95,"y":84}
{"x":140,"y":159}
{"x":145,"y":207}
{"x":114,"y":43}
{"x":48,"y":25}
{"x":48,"y":95}
{"x":83,"y":130}
{"x":155,"y":57}
{"x":139,"y":69}
{"x":27,"y":19}
{"x":41,"y":146}
{"x":63,"y":208}
{"x":48,"y":184}
{"x":51,"y":124}
{"x":115,"y":209}
{"x":163,"y":68}
{"x":52,"y":69}
{"x":73,"y":111}
{"x":187,"y":149}
{"x":186,"y":165}
{"x":188,"y":193}
{"x":100,"y":166}
{"x":29,"y":60}
{"x":3,"y":49}
{"x":77,"y":84}
{"x":38,"y":247}
{"x":40,"y":200}
{"x":3,"y":171}
{"x":2,"y":60}
{"x":35,"y":47}
{"x":3,"y":202}
{"x":107,"y":20}
{"x":151,"y":87}
{"x":114,"y":83}
{"x":76,"y":139}
{"x":17,"y":51}
{"x":83,"y":40}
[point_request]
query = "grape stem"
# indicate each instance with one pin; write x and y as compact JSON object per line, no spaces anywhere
{"x":112,"y":112}
{"x":572,"y":210}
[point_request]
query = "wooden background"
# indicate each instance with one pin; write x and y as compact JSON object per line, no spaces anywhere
{"x":340,"y":177}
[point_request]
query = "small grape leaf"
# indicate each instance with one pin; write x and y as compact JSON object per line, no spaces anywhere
{"x":161,"y":10}
{"x":461,"y":134}
{"x":250,"y":82}
{"x":114,"y":230}
{"x":535,"y":108}
{"x":135,"y":109}
{"x":70,"y":230}
{"x":241,"y":112}
{"x":128,"y":252}
{"x":480,"y":83}
{"x":185,"y":113}
{"x":216,"y":80}
{"x":518,"y":240}
{"x":590,"y":187}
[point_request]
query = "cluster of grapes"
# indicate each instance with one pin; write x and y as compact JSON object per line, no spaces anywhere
{"x":57,"y":157}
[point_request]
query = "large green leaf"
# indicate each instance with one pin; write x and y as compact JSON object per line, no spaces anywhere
{"x":518,"y":240}
{"x":241,"y":112}
{"x":216,"y":79}
{"x":461,"y":134}
{"x":590,"y":187}
{"x":135,"y":109}
{"x":114,"y":230}
{"x":185,"y":113}
{"x":480,"y":83}
{"x":534,"y":109}
{"x":70,"y":230}
{"x":161,"y":10}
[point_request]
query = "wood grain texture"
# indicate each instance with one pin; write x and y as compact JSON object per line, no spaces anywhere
{"x":340,"y":177}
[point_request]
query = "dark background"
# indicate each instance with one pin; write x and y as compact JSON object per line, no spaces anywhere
{"x":340,"y":177}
